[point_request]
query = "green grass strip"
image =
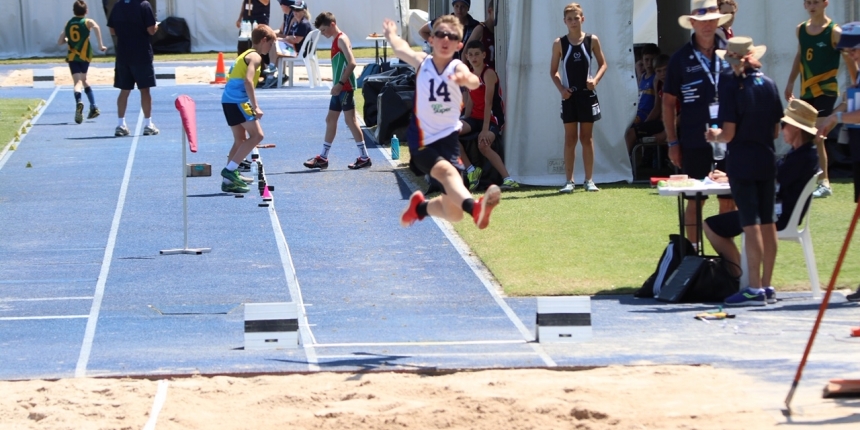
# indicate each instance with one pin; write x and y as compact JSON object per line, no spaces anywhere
{"x":13,"y":114}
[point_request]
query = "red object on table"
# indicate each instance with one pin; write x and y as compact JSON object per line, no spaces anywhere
{"x":655,"y":179}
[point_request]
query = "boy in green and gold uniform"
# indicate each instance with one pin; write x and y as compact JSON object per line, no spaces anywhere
{"x":77,"y":36}
{"x":817,"y":63}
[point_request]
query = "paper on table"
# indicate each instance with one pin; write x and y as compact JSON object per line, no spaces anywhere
{"x":285,"y":49}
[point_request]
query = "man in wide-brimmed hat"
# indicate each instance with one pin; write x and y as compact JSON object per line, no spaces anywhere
{"x":750,"y":111}
{"x":793,"y":172}
{"x":692,"y":79}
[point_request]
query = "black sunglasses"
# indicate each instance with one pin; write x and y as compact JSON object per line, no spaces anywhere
{"x":454,"y":37}
{"x":705,"y":10}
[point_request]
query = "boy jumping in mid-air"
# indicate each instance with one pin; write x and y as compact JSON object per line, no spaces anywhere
{"x":241,"y":109}
{"x":342,"y":66}
{"x":77,"y":36}
{"x":434,"y":128}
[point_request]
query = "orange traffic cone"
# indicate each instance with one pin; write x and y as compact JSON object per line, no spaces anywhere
{"x":220,"y":76}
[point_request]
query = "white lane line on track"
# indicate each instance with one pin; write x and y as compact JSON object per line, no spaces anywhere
{"x":5,"y":154}
{"x":45,"y":299}
{"x":49,"y":317}
{"x":307,"y":337}
{"x":480,"y":271}
{"x":440,"y":343}
{"x":89,"y":334}
{"x":157,"y":404}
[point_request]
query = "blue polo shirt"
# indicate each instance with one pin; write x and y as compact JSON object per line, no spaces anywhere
{"x":754,"y":105}
{"x":693,"y":80}
{"x":130,"y":19}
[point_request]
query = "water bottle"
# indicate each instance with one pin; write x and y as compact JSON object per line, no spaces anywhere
{"x":254,"y":170}
{"x":395,"y":148}
{"x":718,"y":147}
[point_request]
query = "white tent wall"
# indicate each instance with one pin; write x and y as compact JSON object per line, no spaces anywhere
{"x":212,"y":22}
{"x":534,"y":133}
{"x":10,"y":30}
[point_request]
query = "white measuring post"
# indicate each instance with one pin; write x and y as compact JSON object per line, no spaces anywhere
{"x":165,"y":76}
{"x":271,"y":326}
{"x":43,"y":78}
{"x":186,"y":108}
{"x":563,"y":319}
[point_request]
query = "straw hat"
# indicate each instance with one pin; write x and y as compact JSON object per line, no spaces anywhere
{"x":741,"y":46}
{"x":703,"y":10}
{"x":801,"y":115}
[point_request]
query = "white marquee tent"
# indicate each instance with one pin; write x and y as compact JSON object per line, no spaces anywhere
{"x":30,"y":28}
{"x":534,"y":133}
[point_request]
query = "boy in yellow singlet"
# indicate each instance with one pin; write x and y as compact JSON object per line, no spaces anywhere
{"x":241,"y":110}
{"x":77,"y":35}
{"x":817,"y":63}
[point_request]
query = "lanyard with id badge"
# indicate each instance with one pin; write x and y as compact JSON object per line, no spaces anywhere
{"x":714,"y":107}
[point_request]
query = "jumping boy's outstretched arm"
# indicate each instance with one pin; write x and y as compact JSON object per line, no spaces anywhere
{"x":401,"y":47}
{"x":464,"y":77}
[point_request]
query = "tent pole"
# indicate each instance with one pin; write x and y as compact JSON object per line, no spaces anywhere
{"x":21,"y":14}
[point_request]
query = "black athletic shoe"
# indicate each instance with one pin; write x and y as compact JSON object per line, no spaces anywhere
{"x":245,"y":166}
{"x":360,"y":163}
{"x":317,"y":162}
{"x":854,"y":297}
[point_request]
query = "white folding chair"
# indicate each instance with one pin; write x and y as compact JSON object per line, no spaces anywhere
{"x":308,"y":57}
{"x":795,"y":233}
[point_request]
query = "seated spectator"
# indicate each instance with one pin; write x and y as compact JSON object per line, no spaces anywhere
{"x":727,"y":7}
{"x":794,"y":171}
{"x":479,"y":116}
{"x":485,"y":33}
{"x":652,"y":124}
{"x":461,"y":11}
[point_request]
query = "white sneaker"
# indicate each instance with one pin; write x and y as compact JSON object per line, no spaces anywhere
{"x":822,"y":191}
{"x":589,"y":186}
{"x":568,"y":188}
{"x":121,"y":131}
{"x":150,"y":130}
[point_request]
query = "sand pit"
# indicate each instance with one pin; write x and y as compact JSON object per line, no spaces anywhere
{"x":658,"y":397}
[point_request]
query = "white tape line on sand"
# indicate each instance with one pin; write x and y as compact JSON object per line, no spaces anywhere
{"x":157,"y":404}
{"x":90,"y":333}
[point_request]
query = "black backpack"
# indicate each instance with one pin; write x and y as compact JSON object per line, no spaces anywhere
{"x":669,"y":261}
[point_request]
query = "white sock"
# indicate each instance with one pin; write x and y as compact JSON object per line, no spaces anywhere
{"x":756,"y":290}
{"x":470,"y":169}
{"x":148,"y":122}
{"x":226,"y":181}
{"x":121,"y":122}
{"x":508,"y":179}
{"x":362,"y":150}
{"x":231,"y":166}
{"x":326,"y":148}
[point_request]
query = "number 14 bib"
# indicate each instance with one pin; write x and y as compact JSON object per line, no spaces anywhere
{"x":438,"y":101}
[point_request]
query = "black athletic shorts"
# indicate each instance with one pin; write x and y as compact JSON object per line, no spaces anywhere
{"x":582,"y":106}
{"x":79,"y":67}
{"x":127,"y":75}
{"x":345,"y":101}
{"x":755,"y":201}
{"x":238,"y":113}
{"x":726,"y":225}
{"x":823,"y":104}
{"x":444,"y":149}
{"x":648,"y":128}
